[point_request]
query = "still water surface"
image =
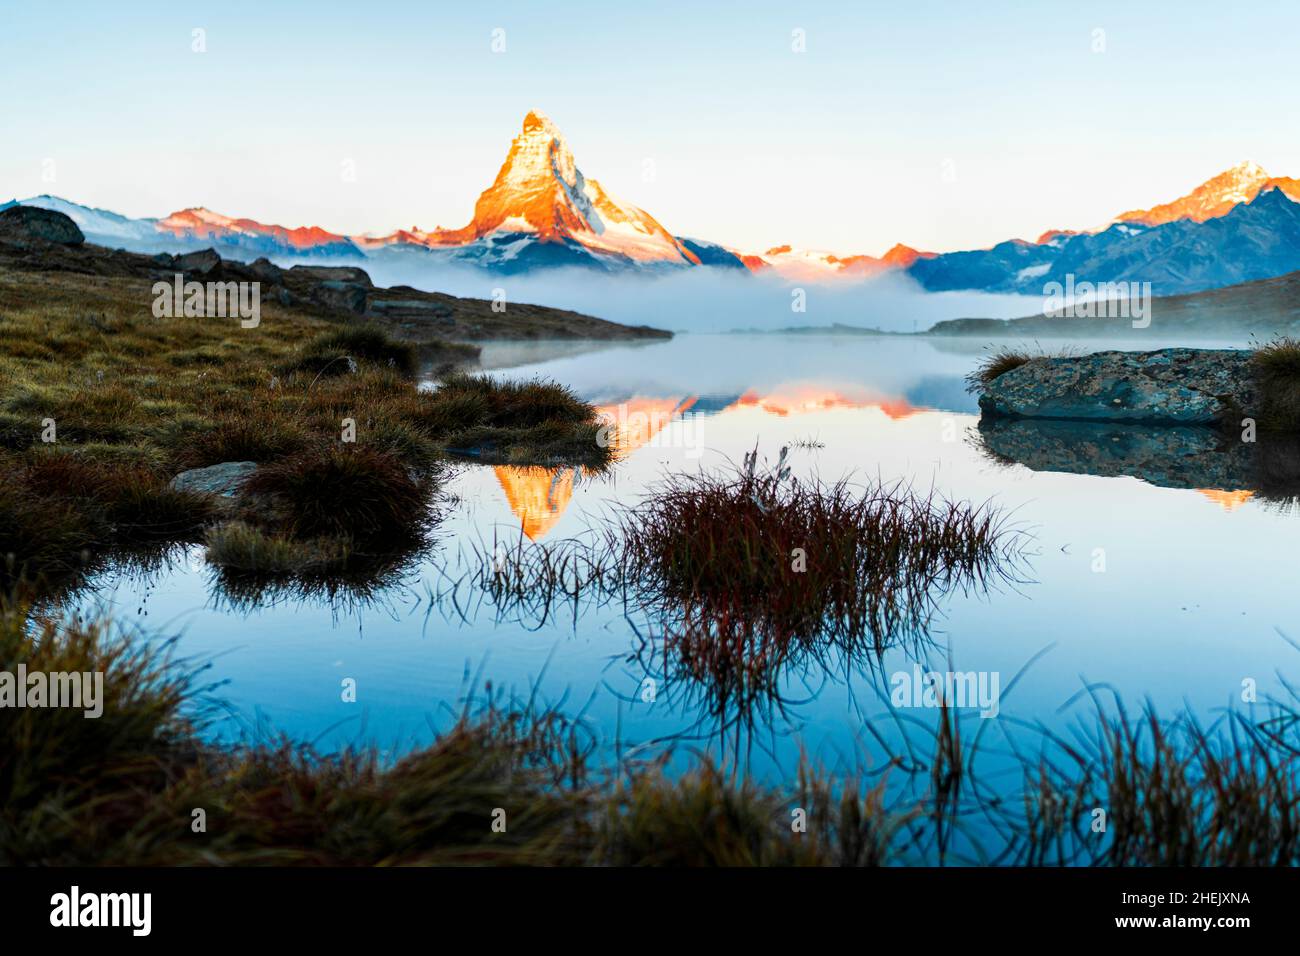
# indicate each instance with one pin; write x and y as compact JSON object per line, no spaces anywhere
{"x":1175,"y":595}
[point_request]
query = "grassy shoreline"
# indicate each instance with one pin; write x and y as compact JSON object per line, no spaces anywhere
{"x":102,"y":405}
{"x":509,"y":783}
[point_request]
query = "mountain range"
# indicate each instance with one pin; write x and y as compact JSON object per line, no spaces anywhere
{"x":541,"y":212}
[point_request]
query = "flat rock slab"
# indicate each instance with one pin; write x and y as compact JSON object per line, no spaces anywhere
{"x":1176,"y":386}
{"x":223,"y":480}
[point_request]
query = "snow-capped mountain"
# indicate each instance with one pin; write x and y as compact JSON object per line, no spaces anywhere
{"x":114,"y":229}
{"x":1254,"y":240}
{"x":206,"y":227}
{"x":541,"y":212}
{"x":197,"y":228}
{"x":541,"y":192}
{"x":813,"y":265}
{"x":1017,"y":265}
{"x":1215,"y":197}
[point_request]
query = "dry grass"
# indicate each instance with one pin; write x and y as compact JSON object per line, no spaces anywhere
{"x":133,"y":400}
{"x":1007,"y":358}
{"x":120,"y":789}
{"x":1277,"y":371}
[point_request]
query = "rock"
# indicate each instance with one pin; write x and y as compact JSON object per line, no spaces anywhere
{"x":266,"y":270}
{"x":410,"y":308}
{"x":344,"y":296}
{"x":198,"y":263}
{"x":223,"y":480}
{"x":349,"y":274}
{"x":1176,"y":386}
{"x":24,"y":223}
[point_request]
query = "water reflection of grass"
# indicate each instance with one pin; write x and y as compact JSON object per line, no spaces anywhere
{"x":747,"y":574}
{"x":124,"y":788}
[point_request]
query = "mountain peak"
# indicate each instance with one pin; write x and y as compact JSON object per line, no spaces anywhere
{"x":1246,"y":169}
{"x":540,"y":192}
{"x":197,"y":214}
{"x":537,"y":121}
{"x":1213,"y":198}
{"x":1272,"y":195}
{"x":901,"y":256}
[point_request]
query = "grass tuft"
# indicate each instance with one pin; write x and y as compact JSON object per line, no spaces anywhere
{"x":344,"y":491}
{"x":1277,"y":372}
{"x":343,"y":350}
{"x":1004,"y":359}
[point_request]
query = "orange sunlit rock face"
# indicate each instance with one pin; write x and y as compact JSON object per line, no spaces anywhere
{"x":540,"y":190}
{"x":752,"y":263}
{"x":1215,"y":197}
{"x":1053,"y":234}
{"x":1227,"y":500}
{"x":204,"y":223}
{"x":792,"y":263}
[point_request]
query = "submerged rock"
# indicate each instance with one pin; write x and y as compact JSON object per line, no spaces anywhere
{"x":1177,"y":386}
{"x":223,"y":480}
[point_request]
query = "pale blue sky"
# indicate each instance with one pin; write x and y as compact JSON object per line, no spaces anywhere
{"x":840,"y":147}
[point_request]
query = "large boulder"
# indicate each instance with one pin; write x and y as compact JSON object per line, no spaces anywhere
{"x":200,"y":263}
{"x":341,"y":296}
{"x":266,"y":270}
{"x":25,"y":223}
{"x":411,"y":309}
{"x":348,"y":274}
{"x":1177,"y":386}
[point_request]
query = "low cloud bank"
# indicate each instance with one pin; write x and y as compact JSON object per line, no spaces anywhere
{"x":713,"y":300}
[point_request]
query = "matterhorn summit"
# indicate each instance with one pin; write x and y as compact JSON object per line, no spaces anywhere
{"x":541,"y":193}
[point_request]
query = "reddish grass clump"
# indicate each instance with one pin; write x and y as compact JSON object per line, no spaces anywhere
{"x":805,"y":558}
{"x":344,"y":491}
{"x":743,"y":570}
{"x":754,"y":566}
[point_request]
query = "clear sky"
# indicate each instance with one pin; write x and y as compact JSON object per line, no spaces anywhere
{"x":941,"y":125}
